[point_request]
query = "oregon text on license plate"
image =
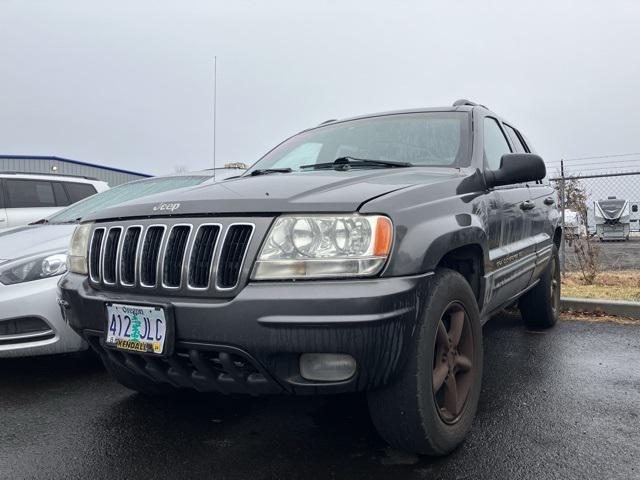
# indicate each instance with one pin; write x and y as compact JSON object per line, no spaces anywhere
{"x":136,"y":328}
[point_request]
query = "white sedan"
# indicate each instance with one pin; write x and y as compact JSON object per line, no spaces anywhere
{"x":34,"y":257}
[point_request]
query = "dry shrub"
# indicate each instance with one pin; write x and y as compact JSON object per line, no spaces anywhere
{"x":618,"y":278}
{"x":587,"y":252}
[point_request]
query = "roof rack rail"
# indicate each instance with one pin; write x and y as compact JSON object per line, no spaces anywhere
{"x":464,"y":101}
{"x":13,"y":172}
{"x":328,"y":121}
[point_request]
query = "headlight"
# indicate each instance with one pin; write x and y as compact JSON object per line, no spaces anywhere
{"x":33,"y":268}
{"x":77,"y":261}
{"x":314,"y":246}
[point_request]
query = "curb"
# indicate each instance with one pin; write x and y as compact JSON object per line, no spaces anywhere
{"x":609,"y":307}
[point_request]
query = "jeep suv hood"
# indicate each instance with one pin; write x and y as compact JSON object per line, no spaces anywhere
{"x":314,"y":191}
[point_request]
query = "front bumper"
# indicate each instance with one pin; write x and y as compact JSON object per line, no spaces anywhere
{"x":252,"y":343}
{"x":31,"y":322}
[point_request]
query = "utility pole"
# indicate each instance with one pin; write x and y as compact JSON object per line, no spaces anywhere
{"x":215,"y":86}
{"x":562,"y":205}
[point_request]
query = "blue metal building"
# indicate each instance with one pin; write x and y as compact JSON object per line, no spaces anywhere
{"x":66,"y":166}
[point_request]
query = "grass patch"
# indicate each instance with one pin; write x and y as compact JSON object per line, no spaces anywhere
{"x":618,"y":285}
{"x":592,"y":317}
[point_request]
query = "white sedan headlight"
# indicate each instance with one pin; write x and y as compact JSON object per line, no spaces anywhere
{"x":78,"y":249}
{"x":33,"y":268}
{"x":315,"y":246}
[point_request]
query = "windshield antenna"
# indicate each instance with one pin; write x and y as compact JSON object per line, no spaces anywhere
{"x":215,"y":85}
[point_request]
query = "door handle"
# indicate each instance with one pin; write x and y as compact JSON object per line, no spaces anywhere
{"x":549,"y":201}
{"x":527,"y":205}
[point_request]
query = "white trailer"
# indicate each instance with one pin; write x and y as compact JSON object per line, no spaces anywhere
{"x":612,"y":218}
{"x":634,"y":216}
{"x":574,"y":226}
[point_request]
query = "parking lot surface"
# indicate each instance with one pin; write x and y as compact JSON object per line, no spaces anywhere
{"x":559,"y":404}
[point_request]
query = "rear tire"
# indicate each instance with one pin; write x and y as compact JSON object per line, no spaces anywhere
{"x":540,"y":306}
{"x":422,"y":411}
{"x":137,"y":383}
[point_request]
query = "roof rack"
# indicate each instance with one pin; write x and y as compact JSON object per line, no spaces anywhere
{"x":13,"y":172}
{"x":328,"y":121}
{"x":464,"y":101}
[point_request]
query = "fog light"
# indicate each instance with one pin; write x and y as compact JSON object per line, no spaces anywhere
{"x":327,"y":367}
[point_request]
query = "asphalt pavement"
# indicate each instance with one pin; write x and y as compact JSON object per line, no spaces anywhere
{"x":560,"y":404}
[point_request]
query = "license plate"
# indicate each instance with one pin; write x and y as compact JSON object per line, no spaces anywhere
{"x":136,"y":328}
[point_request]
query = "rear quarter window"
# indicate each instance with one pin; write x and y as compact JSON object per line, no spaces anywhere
{"x":495,"y":143}
{"x":29,"y":193}
{"x":518,"y":143}
{"x":79,"y":191}
{"x":61,"y":196}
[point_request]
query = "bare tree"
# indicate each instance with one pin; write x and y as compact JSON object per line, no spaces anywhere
{"x":585,"y":249}
{"x":180,"y":169}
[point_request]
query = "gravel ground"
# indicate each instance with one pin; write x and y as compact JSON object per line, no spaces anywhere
{"x":613,"y":255}
{"x":560,"y":404}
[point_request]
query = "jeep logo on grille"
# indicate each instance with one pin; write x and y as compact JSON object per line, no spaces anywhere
{"x":166,"y":207}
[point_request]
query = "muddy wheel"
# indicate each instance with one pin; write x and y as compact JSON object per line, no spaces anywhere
{"x":540,"y":307}
{"x":429,"y":409}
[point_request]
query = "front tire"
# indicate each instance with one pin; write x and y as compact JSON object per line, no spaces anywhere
{"x":429,"y":409}
{"x":540,"y":306}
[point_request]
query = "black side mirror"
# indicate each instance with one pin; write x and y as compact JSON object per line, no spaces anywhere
{"x":517,"y":168}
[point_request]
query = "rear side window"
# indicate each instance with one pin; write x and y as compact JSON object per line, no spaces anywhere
{"x":495,"y":143}
{"x":29,"y":193}
{"x":61,"y":195}
{"x":515,"y":139}
{"x":78,"y":191}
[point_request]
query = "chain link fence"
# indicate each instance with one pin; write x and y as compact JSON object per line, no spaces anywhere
{"x":601,"y":221}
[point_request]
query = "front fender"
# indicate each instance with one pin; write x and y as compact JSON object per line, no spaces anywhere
{"x":419,"y":249}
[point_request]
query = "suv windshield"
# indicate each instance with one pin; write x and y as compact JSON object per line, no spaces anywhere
{"x":124,"y":193}
{"x":432,"y":139}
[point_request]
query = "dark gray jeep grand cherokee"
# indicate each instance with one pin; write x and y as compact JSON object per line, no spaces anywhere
{"x":361,"y":255}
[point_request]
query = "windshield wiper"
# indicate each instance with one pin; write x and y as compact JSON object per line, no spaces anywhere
{"x":345,"y":163}
{"x":40,"y":222}
{"x":266,"y":171}
{"x":67,"y":222}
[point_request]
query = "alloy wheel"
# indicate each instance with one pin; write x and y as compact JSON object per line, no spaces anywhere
{"x":452,"y":363}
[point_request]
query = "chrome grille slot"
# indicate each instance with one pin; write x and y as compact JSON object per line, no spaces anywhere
{"x":110,"y":255}
{"x":174,"y":256}
{"x":150,"y":255}
{"x":202,"y":252}
{"x":95,"y":250}
{"x":232,"y":256}
{"x":128,"y":256}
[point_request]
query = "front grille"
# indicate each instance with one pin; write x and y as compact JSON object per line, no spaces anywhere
{"x":174,"y":255}
{"x":150,"y":255}
{"x":110,"y":255}
{"x":197,"y":256}
{"x":202,"y":256}
{"x":232,"y":255}
{"x":128,"y":257}
{"x":94,"y":253}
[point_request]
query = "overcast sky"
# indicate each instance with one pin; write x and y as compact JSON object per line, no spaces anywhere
{"x":130,"y":84}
